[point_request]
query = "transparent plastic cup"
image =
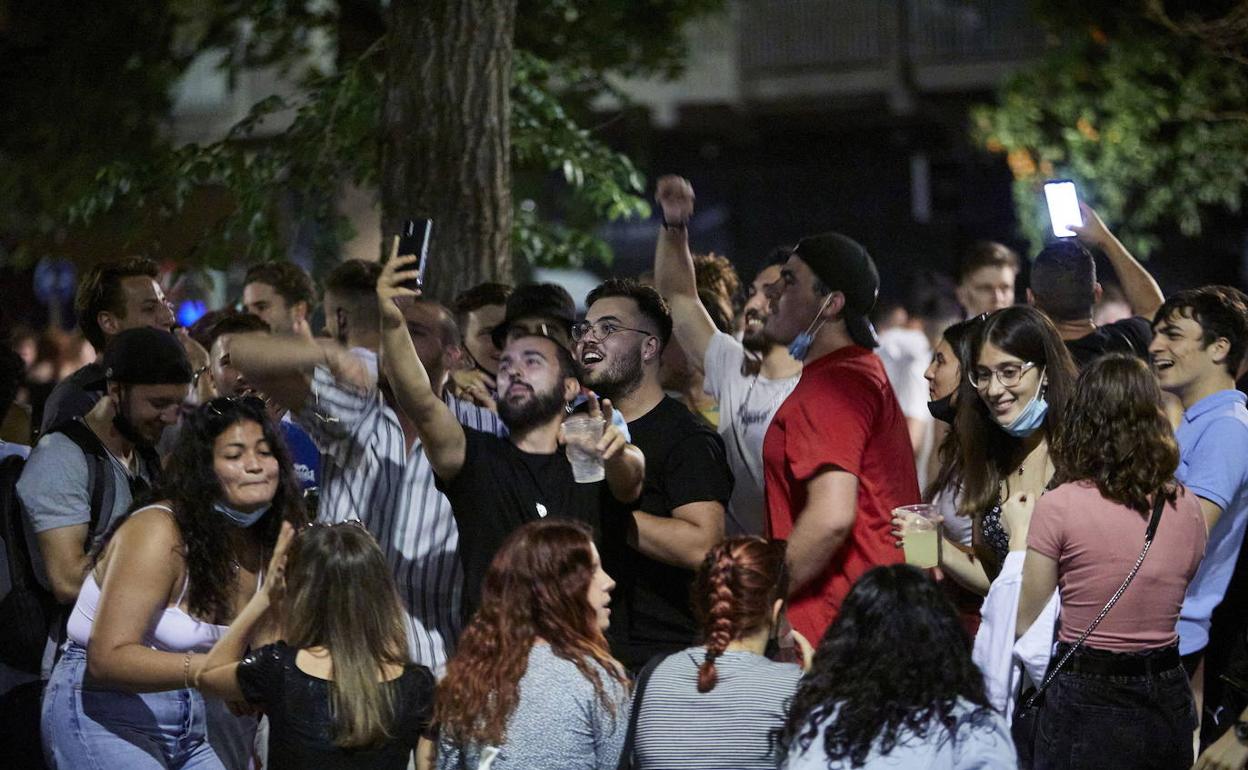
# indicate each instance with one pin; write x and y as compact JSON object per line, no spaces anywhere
{"x":582,"y":434}
{"x":920,"y":535}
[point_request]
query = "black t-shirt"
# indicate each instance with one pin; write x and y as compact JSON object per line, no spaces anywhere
{"x":301,"y":732}
{"x":1130,"y":335}
{"x":685,"y":463}
{"x":500,"y":488}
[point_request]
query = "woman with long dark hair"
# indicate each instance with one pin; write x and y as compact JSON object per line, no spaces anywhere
{"x":161,"y":591}
{"x":339,"y":689}
{"x":1122,"y":699}
{"x":892,"y":686}
{"x":715,"y":705}
{"x":532,"y":683}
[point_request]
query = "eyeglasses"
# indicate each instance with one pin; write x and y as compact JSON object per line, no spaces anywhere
{"x":601,"y":330}
{"x":1008,"y":375}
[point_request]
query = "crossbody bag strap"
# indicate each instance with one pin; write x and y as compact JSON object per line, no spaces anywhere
{"x":630,"y":736}
{"x":1158,"y":504}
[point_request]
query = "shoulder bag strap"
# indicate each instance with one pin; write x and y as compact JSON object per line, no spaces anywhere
{"x":626,"y":755}
{"x":1158,"y":504}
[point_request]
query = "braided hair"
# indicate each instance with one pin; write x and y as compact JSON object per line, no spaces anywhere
{"x":733,"y":594}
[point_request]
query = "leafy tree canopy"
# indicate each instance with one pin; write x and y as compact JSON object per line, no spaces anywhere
{"x":1142,"y":104}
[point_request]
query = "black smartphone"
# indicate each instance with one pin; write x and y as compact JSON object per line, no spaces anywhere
{"x":414,"y":239}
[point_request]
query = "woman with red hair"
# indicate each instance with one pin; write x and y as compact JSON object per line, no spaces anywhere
{"x":533,"y":683}
{"x":715,"y":705}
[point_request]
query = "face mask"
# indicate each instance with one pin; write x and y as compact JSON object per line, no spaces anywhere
{"x":239,"y":518}
{"x":943,"y":409}
{"x":800,"y":345}
{"x":1031,"y":417}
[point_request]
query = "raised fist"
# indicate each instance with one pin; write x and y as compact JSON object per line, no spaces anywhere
{"x":675,"y":195}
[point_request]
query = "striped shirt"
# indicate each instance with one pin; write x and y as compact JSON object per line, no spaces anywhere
{"x":368,"y":475}
{"x":730,"y":726}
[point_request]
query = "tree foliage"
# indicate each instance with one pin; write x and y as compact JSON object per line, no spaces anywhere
{"x":1142,"y":108}
{"x":330,"y":138}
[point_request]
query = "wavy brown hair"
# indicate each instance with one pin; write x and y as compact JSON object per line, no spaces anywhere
{"x":340,"y":595}
{"x":1114,"y":433}
{"x":737,"y":585}
{"x":537,"y":586}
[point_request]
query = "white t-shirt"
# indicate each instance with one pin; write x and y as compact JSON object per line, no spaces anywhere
{"x":906,"y":354}
{"x":746,"y":406}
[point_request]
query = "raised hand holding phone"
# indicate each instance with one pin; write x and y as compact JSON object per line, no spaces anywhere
{"x":1063,"y":203}
{"x":414,"y":240}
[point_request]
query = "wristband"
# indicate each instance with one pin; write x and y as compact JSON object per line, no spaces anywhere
{"x":681,"y":225}
{"x":186,"y":672}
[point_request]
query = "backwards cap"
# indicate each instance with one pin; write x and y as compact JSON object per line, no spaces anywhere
{"x":146,"y":356}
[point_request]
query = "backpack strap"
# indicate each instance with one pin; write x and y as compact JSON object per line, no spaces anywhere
{"x":99,"y":476}
{"x":21,"y":573}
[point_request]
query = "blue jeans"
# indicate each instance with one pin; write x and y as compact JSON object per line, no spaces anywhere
{"x":1102,"y":721}
{"x":103,"y":729}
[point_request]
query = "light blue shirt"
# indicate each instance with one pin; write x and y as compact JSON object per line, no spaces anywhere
{"x":1213,"y":463}
{"x":983,"y":743}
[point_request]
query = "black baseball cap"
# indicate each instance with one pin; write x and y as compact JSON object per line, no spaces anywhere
{"x":536,"y":300}
{"x":146,"y":356}
{"x":845,"y":266}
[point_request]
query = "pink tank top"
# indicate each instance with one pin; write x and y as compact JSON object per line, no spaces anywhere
{"x":175,"y":630}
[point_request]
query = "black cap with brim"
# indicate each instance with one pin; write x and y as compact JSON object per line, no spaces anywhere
{"x":545,"y":301}
{"x":146,"y":356}
{"x":843,"y":265}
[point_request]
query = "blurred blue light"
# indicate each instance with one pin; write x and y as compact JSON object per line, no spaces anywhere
{"x":190,"y":311}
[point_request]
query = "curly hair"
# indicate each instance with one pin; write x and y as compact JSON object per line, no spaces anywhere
{"x":733,"y":594}
{"x":192,"y":486}
{"x":1115,"y":434}
{"x":894,"y":662}
{"x":716,"y":273}
{"x":1221,"y":312}
{"x":291,"y":282}
{"x":537,"y":586}
{"x":986,"y":453}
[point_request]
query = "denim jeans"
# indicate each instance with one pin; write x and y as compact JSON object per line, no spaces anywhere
{"x":102,"y":729}
{"x":1100,"y":721}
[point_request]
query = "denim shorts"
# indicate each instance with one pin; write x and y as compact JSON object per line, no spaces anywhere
{"x":1110,"y":721}
{"x":102,"y":729}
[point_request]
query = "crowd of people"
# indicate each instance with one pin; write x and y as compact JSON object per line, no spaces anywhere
{"x":664,"y":531}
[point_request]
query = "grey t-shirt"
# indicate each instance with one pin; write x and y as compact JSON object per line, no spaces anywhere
{"x":746,"y":406}
{"x":559,"y":722}
{"x":54,"y":490}
{"x":73,"y":396}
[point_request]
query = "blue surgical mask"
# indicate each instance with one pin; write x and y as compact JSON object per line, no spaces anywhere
{"x":1031,"y":417}
{"x":800,"y":345}
{"x":240,"y":518}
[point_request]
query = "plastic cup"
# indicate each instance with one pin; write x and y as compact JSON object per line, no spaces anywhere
{"x":582,"y":434}
{"x":920,"y":535}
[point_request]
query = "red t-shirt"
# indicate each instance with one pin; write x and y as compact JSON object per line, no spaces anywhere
{"x":842,"y":414}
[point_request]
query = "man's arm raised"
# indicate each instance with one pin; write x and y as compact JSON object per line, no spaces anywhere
{"x":443,"y":437}
{"x":1138,"y":285}
{"x":280,"y":366}
{"x":673,"y":270}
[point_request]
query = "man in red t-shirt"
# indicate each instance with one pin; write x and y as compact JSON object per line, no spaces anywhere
{"x":837,"y":457}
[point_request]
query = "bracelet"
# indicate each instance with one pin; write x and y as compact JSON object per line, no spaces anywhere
{"x":186,"y":672}
{"x":678,"y":225}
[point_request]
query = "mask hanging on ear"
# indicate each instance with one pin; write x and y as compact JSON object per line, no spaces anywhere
{"x":800,"y":345}
{"x":943,"y":409}
{"x":1031,"y":417}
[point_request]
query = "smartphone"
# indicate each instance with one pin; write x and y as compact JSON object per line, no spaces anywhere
{"x":1063,"y":203}
{"x":414,"y":239}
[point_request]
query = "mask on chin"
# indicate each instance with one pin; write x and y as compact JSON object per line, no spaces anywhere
{"x":800,"y":345}
{"x":239,"y":518}
{"x":1031,"y":417}
{"x":943,"y":409}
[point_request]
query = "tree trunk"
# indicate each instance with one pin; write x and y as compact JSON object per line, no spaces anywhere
{"x":446,"y":146}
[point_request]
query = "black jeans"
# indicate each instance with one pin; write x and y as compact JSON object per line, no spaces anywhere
{"x":1144,"y":720}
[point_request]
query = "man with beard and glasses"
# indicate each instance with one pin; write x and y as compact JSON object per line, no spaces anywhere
{"x":83,"y":475}
{"x":494,"y":484}
{"x":653,"y":552}
{"x":837,"y":457}
{"x":374,"y":468}
{"x":750,"y":379}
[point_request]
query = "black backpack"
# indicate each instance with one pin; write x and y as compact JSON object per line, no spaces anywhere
{"x":28,"y":610}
